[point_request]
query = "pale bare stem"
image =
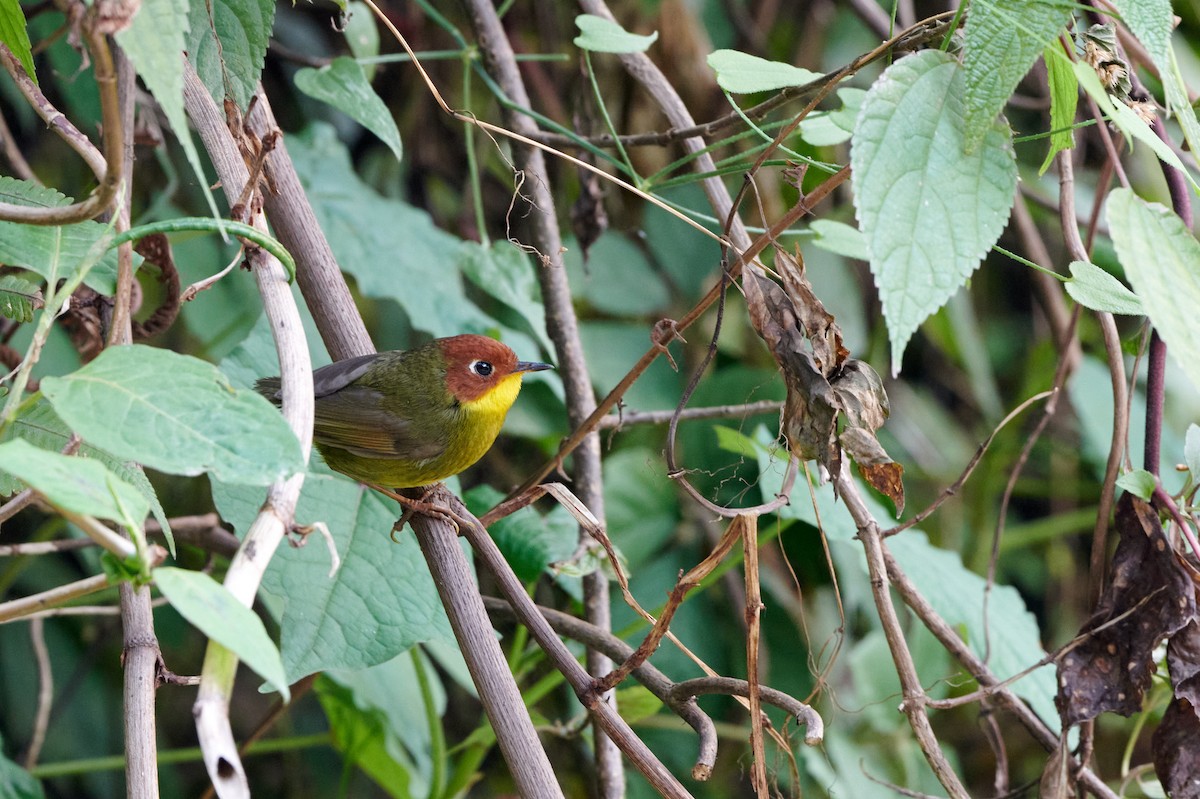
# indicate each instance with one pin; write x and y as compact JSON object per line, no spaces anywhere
{"x":624,"y":418}
{"x":603,"y":714}
{"x":1049,"y":290}
{"x":682,"y":702}
{"x":267,"y":531}
{"x":501,"y":698}
{"x":191,"y":291}
{"x":18,"y":502}
{"x":915,"y":698}
{"x":25,"y":606}
{"x":41,"y":719}
{"x":45,"y":547}
{"x":54,"y":120}
{"x":563,"y":329}
{"x":38,"y":603}
{"x":113,"y":168}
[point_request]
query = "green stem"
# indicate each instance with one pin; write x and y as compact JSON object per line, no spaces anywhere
{"x":437,"y":736}
{"x":472,"y":157}
{"x":189,"y":755}
{"x":608,"y":123}
{"x":208,"y":225}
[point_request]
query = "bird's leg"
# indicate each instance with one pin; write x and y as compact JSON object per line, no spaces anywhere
{"x":414,"y":505}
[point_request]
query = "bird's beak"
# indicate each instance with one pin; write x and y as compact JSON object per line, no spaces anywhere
{"x":531,"y":366}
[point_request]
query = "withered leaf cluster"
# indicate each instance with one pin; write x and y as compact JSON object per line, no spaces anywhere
{"x":1152,"y":595}
{"x":826,"y":388}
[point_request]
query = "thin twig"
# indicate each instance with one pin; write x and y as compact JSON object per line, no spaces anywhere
{"x":41,"y":719}
{"x":625,"y":418}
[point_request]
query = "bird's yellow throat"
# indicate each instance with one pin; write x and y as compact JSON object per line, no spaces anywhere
{"x":496,"y":402}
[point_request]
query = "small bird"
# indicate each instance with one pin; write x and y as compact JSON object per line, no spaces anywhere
{"x":409,"y":418}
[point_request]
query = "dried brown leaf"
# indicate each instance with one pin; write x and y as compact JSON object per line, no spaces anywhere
{"x":1056,"y":782}
{"x":1176,"y":745}
{"x":1183,"y":659}
{"x":811,"y":408}
{"x":818,"y":324}
{"x":1150,"y":596}
{"x":874,"y":464}
{"x":861,"y":396}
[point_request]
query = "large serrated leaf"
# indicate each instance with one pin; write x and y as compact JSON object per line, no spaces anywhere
{"x":155,"y":42}
{"x":228,"y":45}
{"x":380,"y":602}
{"x":343,"y":85}
{"x":1003,"y":39}
{"x":212,"y":609}
{"x":54,"y":251}
{"x":14,"y":34}
{"x":929,"y":212}
{"x":1162,"y":261}
{"x":177,"y":414}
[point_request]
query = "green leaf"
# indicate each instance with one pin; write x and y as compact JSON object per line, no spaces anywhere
{"x":363,"y":738}
{"x":1138,"y":482}
{"x":176,"y":414}
{"x":343,"y":85}
{"x":1179,"y":102}
{"x":391,"y":695}
{"x":637,"y":703}
{"x":1003,"y":39}
{"x":1092,"y":287}
{"x":378,"y":604}
{"x":213,"y":610}
{"x":640,"y":501}
{"x":1151,"y":21}
{"x":839,"y":238}
{"x":1191,"y":451}
{"x":827,"y":128}
{"x":155,"y":41}
{"x":1064,"y":98}
{"x":19,"y":298}
{"x":506,"y":273}
{"x":16,"y":782}
{"x":39,"y":425}
{"x":14,"y":34}
{"x":227,"y":43}
{"x":392,"y":249}
{"x":742,"y":73}
{"x":614,"y":265}
{"x":1160,"y":257}
{"x":602,"y":35}
{"x":362,"y":34}
{"x":78,"y":485}
{"x":57,"y":251}
{"x":530,"y":541}
{"x":929,"y":212}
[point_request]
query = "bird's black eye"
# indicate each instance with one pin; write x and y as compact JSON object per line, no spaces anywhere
{"x":481,"y":368}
